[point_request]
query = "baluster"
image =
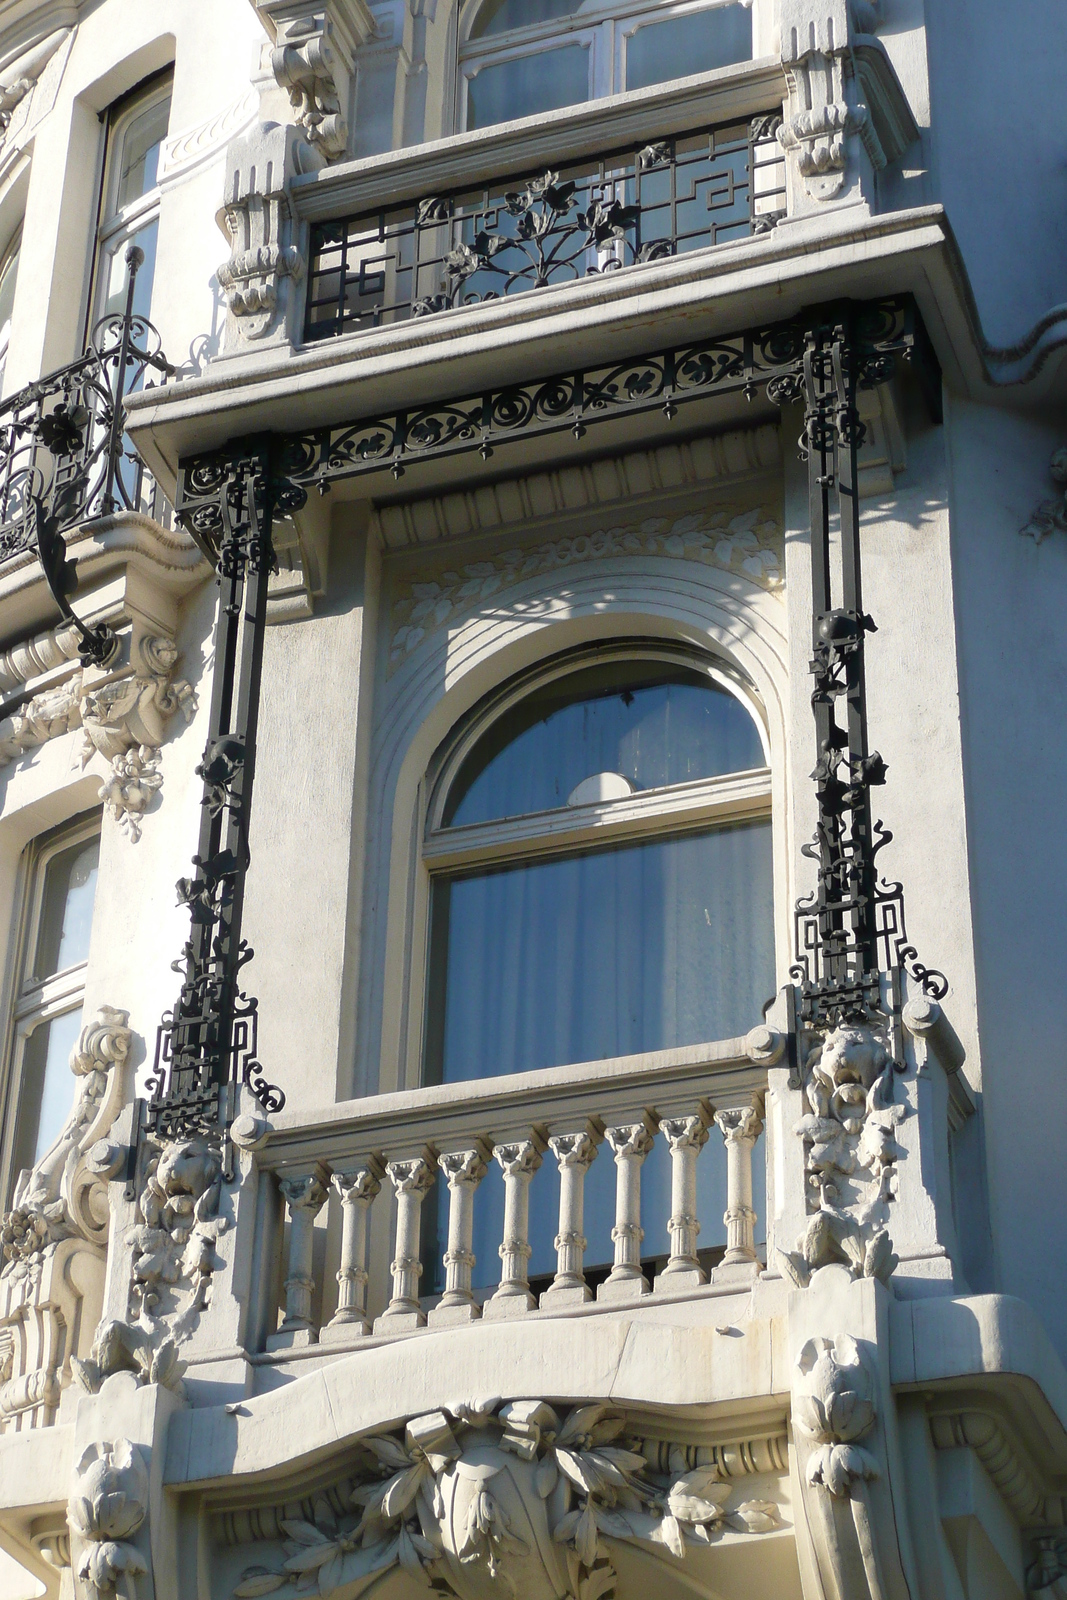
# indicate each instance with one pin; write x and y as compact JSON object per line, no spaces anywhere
{"x":741,"y":1126}
{"x":686,"y":1136}
{"x":575,"y":1152}
{"x":412,"y":1181}
{"x":464,"y":1170}
{"x":631,"y":1144}
{"x":304,"y":1195}
{"x":518,"y":1162}
{"x":357,"y":1190}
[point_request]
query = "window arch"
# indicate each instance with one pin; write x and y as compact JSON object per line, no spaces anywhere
{"x":521,"y":57}
{"x":599,"y":851}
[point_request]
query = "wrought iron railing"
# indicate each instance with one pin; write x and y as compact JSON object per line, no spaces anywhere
{"x":536,"y":229}
{"x":64,"y":455}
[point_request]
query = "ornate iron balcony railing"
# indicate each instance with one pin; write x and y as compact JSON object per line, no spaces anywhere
{"x":532,"y":230}
{"x":64,"y":455}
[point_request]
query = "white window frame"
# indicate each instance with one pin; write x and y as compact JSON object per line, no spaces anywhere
{"x":607,"y":27}
{"x":116,"y":225}
{"x":646,"y":815}
{"x":36,"y":1002}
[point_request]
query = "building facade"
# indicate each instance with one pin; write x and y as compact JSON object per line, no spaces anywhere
{"x":546,"y":521}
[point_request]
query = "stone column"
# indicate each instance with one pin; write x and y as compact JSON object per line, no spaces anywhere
{"x":412,"y":1180}
{"x":518,"y":1162}
{"x":357,"y":1191}
{"x":575,"y":1152}
{"x":741,"y":1126}
{"x":304,"y":1195}
{"x":464,"y":1170}
{"x":686,"y":1136}
{"x":631,"y":1144}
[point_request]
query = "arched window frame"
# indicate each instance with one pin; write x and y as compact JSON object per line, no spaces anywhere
{"x":118,"y":225}
{"x":643,"y":816}
{"x":604,"y":28}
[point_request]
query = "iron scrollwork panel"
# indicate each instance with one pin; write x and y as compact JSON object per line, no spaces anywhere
{"x":539,"y":229}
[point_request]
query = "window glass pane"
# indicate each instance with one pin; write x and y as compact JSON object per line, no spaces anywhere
{"x":67,"y":908}
{"x":46,"y":1089}
{"x":541,"y":81}
{"x":139,"y":156}
{"x":499,"y":16}
{"x":653,"y":724}
{"x":115,"y":271}
{"x":678,"y":46}
{"x":608,"y":953}
{"x":8,"y":276}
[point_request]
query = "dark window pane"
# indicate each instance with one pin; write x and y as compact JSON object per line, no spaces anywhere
{"x":541,"y":81}
{"x":608,"y":953}
{"x":46,"y":1089}
{"x":67,"y":908}
{"x":652,"y":724}
{"x":679,"y":46}
{"x":500,"y":16}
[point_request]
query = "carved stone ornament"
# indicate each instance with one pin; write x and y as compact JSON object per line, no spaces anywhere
{"x":1050,"y":516}
{"x":265,"y":259}
{"x":20,"y":77}
{"x":823,"y":108}
{"x":62,"y":1196}
{"x":314,"y":41}
{"x":107,"y":1506}
{"x":125,"y":721}
{"x":514,"y":1499}
{"x":172,"y":1262}
{"x":850,"y":1154}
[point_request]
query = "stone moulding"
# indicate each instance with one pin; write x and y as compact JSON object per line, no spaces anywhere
{"x":747,"y":541}
{"x":532,"y":1499}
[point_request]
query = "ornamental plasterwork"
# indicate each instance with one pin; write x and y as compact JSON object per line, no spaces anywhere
{"x":747,"y":542}
{"x":519,"y":1496}
{"x":123,"y":718}
{"x":850,"y":1156}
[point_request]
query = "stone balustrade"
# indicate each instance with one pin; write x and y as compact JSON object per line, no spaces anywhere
{"x":480,"y":1200}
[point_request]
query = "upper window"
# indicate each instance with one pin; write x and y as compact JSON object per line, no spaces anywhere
{"x":48,"y":1004}
{"x":129,"y":211}
{"x":9,"y":271}
{"x":521,"y":57}
{"x":600,"y":861}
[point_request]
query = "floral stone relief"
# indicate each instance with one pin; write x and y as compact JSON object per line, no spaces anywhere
{"x":107,"y":1506}
{"x":172,"y":1263}
{"x":747,"y":542}
{"x":850,"y":1152}
{"x":515,"y":1499}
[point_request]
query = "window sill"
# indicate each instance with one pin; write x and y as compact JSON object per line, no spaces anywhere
{"x":728,"y":94}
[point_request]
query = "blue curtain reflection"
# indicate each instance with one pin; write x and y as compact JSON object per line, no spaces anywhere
{"x":612,"y":952}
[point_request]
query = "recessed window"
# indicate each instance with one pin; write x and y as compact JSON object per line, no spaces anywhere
{"x":601,"y":873}
{"x":60,"y":896}
{"x":129,"y":213}
{"x":521,"y":57}
{"x":9,"y":271}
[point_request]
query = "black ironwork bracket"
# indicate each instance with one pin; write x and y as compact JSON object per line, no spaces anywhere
{"x":64,"y":458}
{"x":849,"y":928}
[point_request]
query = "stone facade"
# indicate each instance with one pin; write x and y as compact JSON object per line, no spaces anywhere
{"x":778,"y":1314}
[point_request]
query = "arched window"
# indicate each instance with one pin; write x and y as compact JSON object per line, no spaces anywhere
{"x":9,"y":271}
{"x":520,"y":57}
{"x":600,"y":858}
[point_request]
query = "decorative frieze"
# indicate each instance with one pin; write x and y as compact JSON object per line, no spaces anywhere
{"x":518,"y":1496}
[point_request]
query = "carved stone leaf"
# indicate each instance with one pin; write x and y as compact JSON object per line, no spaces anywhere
{"x":756,"y":1516}
{"x":547,"y":1477}
{"x":585,"y":1537}
{"x":304,"y":1532}
{"x":255,"y":1583}
{"x":388,"y":1451}
{"x":581,"y":1422}
{"x":574,"y":1467}
{"x":402,"y":1491}
{"x":673,"y":1537}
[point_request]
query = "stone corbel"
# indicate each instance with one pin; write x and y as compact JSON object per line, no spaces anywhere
{"x":846,"y":115}
{"x":313,"y":43}
{"x":258,"y":281}
{"x":124,"y":720}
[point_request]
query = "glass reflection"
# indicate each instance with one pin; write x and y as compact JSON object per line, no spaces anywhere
{"x":612,"y":952}
{"x":67,"y":908}
{"x":679,"y":46}
{"x":542,"y":81}
{"x":653,"y":724}
{"x":46,"y":1088}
